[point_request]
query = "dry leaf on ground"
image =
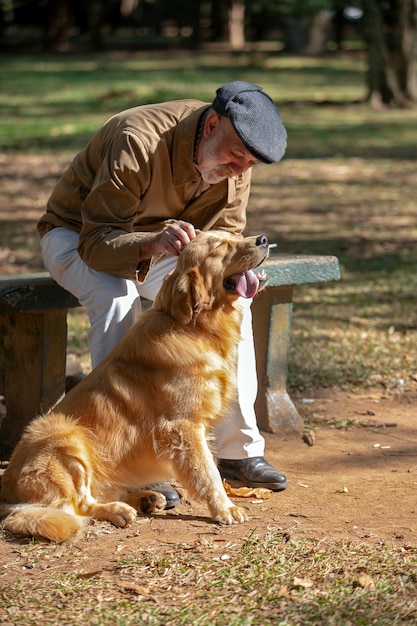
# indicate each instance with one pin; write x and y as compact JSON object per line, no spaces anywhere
{"x":247,"y":492}
{"x":366,"y":581}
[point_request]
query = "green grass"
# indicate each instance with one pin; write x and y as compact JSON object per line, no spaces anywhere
{"x":55,"y":102}
{"x":346,"y":187}
{"x":360,"y":331}
{"x":262,"y":580}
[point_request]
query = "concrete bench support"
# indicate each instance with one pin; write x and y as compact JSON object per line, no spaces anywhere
{"x":272,"y":317}
{"x":272,"y":322}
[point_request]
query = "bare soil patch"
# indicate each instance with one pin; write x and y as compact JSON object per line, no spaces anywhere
{"x":357,"y":481}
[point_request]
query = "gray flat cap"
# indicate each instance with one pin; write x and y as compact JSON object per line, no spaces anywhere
{"x":255,"y":119}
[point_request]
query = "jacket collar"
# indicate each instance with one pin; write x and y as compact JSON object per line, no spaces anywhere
{"x":184,"y":170}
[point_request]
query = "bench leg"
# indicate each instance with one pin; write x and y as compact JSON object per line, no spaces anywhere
{"x":32,"y":354}
{"x":272,"y":317}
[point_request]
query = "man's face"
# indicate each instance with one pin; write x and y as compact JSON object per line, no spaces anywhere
{"x":221,"y":154}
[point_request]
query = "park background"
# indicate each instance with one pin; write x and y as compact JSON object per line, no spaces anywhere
{"x":343,"y":80}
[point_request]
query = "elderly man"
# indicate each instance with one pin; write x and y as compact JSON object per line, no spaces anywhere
{"x":145,"y":185}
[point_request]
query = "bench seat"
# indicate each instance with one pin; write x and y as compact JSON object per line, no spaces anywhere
{"x":33,"y":343}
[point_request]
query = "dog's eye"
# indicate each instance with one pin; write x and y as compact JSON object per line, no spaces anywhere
{"x":229,"y":284}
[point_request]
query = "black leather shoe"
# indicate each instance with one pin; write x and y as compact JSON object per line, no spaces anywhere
{"x":167,"y":490}
{"x":254,"y":472}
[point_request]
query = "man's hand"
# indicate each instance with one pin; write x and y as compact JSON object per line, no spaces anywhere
{"x":169,"y":240}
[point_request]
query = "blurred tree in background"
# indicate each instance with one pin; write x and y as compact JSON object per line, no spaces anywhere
{"x":386,"y":28}
{"x":390,"y":33}
{"x":56,"y":23}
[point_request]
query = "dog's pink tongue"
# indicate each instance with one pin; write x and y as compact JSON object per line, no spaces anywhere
{"x":247,"y":284}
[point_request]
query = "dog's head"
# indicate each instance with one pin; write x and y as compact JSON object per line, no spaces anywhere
{"x":212,"y":272}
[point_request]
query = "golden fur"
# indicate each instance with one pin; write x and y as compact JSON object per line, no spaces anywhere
{"x":143,"y":414}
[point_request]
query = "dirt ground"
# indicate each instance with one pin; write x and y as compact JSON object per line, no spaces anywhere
{"x":358,"y":480}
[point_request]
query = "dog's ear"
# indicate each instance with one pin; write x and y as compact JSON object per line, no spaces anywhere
{"x":192,"y":296}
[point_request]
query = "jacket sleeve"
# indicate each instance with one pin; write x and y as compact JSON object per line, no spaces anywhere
{"x":108,"y":241}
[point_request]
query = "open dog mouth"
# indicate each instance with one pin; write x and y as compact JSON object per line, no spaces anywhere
{"x":245,"y":284}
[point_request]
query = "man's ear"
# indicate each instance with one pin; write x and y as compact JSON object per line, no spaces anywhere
{"x":191,"y":297}
{"x":211,"y":122}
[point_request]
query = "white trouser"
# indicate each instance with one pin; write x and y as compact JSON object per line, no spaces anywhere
{"x":112,"y":306}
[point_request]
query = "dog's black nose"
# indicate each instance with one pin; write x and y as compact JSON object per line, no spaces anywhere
{"x":262,"y":241}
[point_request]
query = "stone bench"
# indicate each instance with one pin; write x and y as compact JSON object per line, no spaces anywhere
{"x":33,"y":343}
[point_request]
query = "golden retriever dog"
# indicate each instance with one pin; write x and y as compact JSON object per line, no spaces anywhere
{"x":144,"y":413}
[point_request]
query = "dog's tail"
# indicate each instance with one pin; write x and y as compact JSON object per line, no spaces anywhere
{"x":36,"y":520}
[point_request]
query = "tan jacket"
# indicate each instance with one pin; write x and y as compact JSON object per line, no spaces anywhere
{"x":136,"y":174}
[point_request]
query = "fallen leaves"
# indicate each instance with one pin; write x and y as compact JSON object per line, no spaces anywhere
{"x":366,"y":581}
{"x":308,"y":437}
{"x":132,"y":587}
{"x":304,"y":583}
{"x":344,"y":490}
{"x":87,"y":575}
{"x":259,"y":493}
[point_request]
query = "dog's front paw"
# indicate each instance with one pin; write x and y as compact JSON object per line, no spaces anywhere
{"x":152,"y":502}
{"x":118,"y":513}
{"x":232,"y":515}
{"x":146,"y":501}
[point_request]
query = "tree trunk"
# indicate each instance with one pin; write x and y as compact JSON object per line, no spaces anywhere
{"x":319,"y":33}
{"x":96,"y":12}
{"x":390,"y":32}
{"x":237,"y":24}
{"x":57,"y":23}
{"x":218,"y":20}
{"x":195,"y":16}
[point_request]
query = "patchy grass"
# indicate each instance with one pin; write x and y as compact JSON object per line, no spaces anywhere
{"x":360,"y":331}
{"x":54,"y":102}
{"x":346,"y":188}
{"x":272,"y":579}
